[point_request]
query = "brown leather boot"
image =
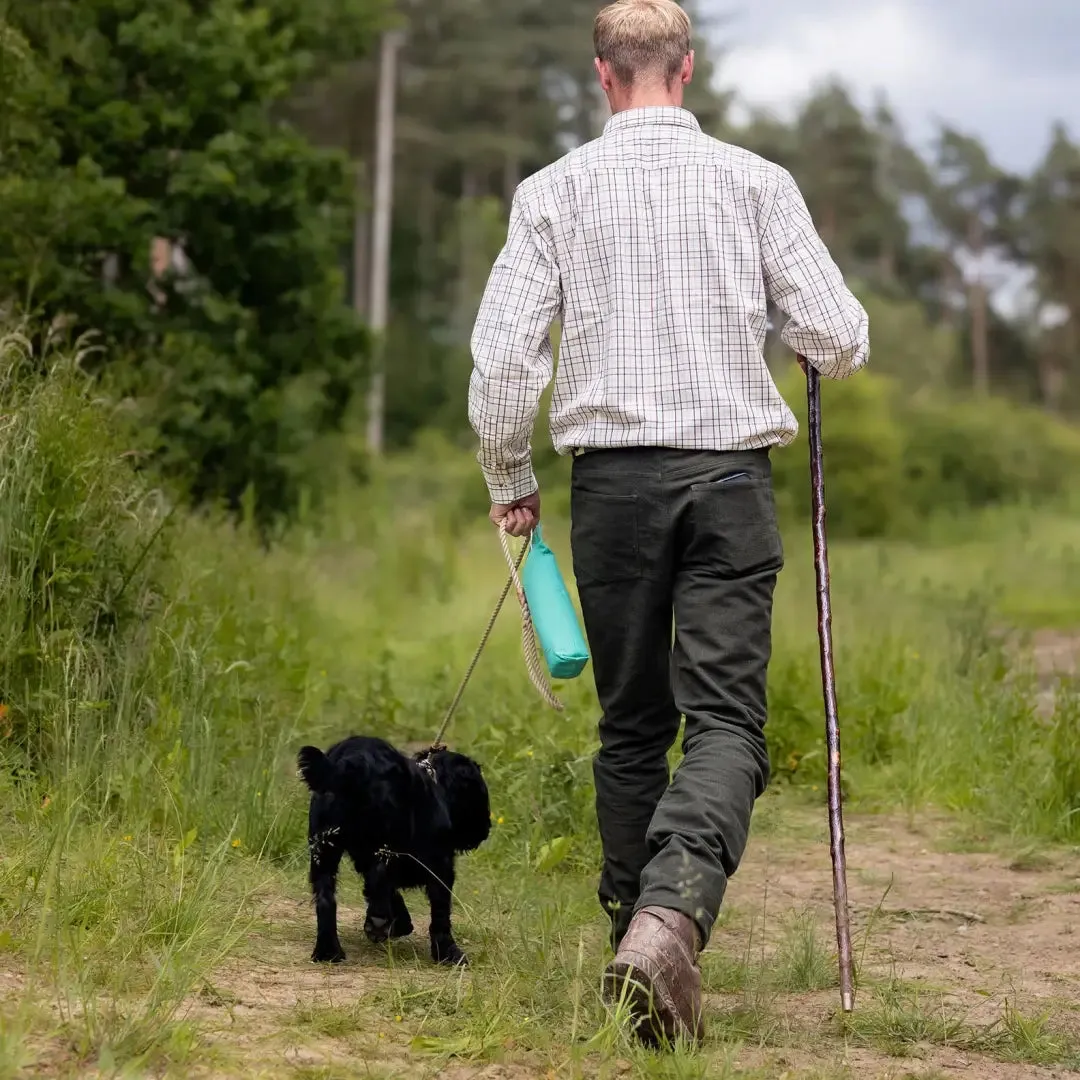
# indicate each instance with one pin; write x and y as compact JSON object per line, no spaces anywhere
{"x":655,"y":971}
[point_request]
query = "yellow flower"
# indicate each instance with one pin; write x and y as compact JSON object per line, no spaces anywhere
{"x":530,"y":753}
{"x":397,"y":1019}
{"x":127,"y":839}
{"x":237,"y":842}
{"x":499,"y":821}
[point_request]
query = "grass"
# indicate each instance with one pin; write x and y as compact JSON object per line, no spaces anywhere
{"x":159,"y":670}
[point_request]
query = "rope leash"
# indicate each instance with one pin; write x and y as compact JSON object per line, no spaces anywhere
{"x":533,"y":663}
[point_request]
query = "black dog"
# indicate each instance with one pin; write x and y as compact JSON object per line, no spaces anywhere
{"x":401,"y":821}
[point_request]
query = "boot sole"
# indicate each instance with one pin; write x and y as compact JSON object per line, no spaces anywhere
{"x":655,"y":1021}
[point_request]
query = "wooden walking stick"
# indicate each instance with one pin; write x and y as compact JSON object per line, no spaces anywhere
{"x":828,"y":683}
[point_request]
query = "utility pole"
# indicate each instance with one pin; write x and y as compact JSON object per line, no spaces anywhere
{"x":382,"y":211}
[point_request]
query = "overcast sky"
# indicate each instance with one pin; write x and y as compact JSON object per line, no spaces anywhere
{"x":1001,"y":69}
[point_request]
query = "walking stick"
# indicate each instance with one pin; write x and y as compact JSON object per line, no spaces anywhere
{"x":828,"y":683}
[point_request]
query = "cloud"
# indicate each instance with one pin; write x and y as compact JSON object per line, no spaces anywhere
{"x":983,"y":76}
{"x":886,"y":46}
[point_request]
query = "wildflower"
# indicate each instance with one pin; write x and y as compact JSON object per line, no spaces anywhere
{"x":530,"y":753}
{"x":258,"y":794}
{"x":237,"y":842}
{"x":397,"y":1019}
{"x":500,"y":821}
{"x":127,"y":839}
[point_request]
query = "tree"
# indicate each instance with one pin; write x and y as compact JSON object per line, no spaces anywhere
{"x":156,"y":122}
{"x":1050,"y":237}
{"x":970,"y":200}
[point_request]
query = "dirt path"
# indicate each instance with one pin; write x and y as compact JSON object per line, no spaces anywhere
{"x":940,"y":934}
{"x":975,"y":934}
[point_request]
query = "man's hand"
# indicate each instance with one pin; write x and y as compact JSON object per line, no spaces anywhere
{"x":802,"y":364}
{"x":521,"y":517}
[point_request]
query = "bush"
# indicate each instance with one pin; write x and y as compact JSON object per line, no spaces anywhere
{"x":131,"y":129}
{"x":894,"y":460}
{"x":147,"y":656}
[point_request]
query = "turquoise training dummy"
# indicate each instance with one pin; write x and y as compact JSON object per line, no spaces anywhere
{"x":552,"y":610}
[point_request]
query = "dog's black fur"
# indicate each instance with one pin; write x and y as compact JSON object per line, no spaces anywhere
{"x":401,"y":824}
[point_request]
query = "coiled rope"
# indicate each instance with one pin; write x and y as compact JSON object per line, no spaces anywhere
{"x":533,"y":664}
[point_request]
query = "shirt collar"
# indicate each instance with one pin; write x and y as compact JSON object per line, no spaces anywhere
{"x":649,"y":115}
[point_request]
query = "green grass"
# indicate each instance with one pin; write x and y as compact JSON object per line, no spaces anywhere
{"x":159,"y":671}
{"x":903,"y":1020}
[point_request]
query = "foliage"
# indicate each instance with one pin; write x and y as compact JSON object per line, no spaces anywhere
{"x":895,"y":460}
{"x":159,"y":673}
{"x":131,"y":122}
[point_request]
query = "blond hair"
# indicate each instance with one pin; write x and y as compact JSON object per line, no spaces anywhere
{"x":642,"y":38}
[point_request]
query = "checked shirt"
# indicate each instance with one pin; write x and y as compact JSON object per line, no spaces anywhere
{"x":657,"y":249}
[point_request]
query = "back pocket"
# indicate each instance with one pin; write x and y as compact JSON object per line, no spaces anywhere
{"x":735,"y":527}
{"x":604,"y":537}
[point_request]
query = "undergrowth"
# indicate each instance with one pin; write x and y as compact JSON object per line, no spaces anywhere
{"x":159,"y":669}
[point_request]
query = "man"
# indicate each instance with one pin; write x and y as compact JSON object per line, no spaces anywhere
{"x":658,"y":248}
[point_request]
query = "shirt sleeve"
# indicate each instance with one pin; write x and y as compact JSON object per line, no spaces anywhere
{"x":512,"y":356}
{"x":826,"y":323}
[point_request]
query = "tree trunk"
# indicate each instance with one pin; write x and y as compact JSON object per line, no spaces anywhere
{"x":978,"y":304}
{"x":511,"y":178}
{"x":828,"y":224}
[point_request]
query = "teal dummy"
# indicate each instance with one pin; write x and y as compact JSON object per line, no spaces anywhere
{"x":553,"y":613}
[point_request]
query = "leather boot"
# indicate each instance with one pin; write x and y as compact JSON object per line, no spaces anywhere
{"x":655,"y":971}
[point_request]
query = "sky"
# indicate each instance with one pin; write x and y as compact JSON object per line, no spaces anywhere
{"x":1004,"y":70}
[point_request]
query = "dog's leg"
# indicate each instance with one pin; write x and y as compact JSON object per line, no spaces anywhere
{"x":380,"y":921}
{"x":403,"y":926}
{"x":440,"y":887}
{"x":325,"y":859}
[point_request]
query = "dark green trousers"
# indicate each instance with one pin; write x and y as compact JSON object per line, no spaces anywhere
{"x":663,"y":539}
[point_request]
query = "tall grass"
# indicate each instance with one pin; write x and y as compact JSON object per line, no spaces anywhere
{"x":158,"y":670}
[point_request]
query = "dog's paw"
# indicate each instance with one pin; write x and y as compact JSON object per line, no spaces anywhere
{"x":378,"y":929}
{"x":328,"y":954}
{"x":447,"y":953}
{"x":401,"y":927}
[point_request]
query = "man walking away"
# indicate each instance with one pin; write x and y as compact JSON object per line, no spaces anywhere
{"x":658,"y":248}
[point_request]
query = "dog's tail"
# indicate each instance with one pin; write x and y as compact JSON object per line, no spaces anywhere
{"x":316,"y":769}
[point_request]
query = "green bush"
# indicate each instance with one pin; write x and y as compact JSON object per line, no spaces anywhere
{"x":128,"y":124}
{"x":145,"y":655}
{"x":895,"y":460}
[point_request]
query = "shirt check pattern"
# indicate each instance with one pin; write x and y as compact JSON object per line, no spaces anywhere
{"x":657,"y":247}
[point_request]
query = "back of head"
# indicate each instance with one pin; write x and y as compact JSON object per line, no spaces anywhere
{"x":467,"y":798}
{"x":643,"y":41}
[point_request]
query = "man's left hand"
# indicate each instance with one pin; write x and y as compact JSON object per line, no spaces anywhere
{"x":521,"y":517}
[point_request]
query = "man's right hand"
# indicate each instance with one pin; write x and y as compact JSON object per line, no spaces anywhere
{"x":520,"y":517}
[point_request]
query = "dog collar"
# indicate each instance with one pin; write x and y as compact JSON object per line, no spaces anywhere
{"x":425,"y":764}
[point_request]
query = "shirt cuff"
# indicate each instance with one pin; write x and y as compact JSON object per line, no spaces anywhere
{"x":508,"y":485}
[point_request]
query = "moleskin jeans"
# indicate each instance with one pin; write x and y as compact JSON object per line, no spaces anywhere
{"x":688,"y":540}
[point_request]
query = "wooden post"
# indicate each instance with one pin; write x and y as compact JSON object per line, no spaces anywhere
{"x":382,"y":211}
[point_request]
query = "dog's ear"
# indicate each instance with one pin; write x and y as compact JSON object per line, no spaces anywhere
{"x":468,"y":802}
{"x":316,"y":769}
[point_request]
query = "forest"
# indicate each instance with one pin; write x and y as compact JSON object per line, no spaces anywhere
{"x":191,"y":184}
